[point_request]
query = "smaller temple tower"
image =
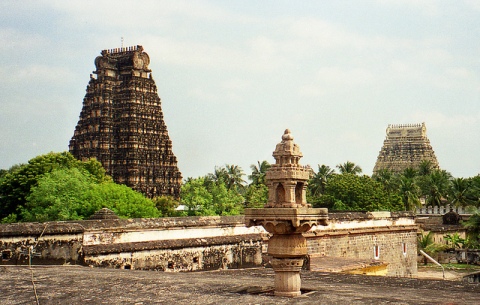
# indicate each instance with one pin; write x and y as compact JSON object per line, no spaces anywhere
{"x":405,"y":146}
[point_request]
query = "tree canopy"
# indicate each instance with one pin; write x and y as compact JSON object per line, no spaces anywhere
{"x":56,"y":186}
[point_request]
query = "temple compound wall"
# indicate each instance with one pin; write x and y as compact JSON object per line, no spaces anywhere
{"x":204,"y":243}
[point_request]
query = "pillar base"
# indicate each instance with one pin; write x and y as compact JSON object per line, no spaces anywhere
{"x":287,"y":276}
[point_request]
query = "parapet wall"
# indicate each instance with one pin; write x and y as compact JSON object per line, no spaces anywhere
{"x":204,"y":243}
{"x":378,"y":237}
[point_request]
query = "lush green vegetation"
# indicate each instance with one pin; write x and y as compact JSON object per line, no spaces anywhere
{"x":56,"y":186}
{"x":347,"y":190}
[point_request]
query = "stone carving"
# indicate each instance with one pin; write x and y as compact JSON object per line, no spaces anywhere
{"x":121,"y":125}
{"x":405,"y":146}
{"x":286,"y":216}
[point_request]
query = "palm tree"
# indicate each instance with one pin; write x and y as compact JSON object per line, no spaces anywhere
{"x":435,"y":186}
{"x":234,"y":177}
{"x":349,"y":168}
{"x":459,"y":192}
{"x":473,"y":226}
{"x":426,"y":243}
{"x":425,"y":168}
{"x":387,"y":179}
{"x":258,"y":173}
{"x":410,"y":172}
{"x":319,"y":180}
{"x":409,"y":191}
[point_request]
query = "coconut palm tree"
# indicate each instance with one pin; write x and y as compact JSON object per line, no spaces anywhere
{"x":319,"y":180}
{"x":234,"y":177}
{"x":459,"y":192}
{"x":349,"y":168}
{"x":410,"y":172}
{"x":409,"y":191}
{"x":435,"y":186}
{"x":258,"y":172}
{"x":387,"y":179}
{"x":473,"y":226}
{"x":425,"y":168}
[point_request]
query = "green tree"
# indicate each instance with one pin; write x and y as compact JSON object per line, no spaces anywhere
{"x":454,"y":241}
{"x":410,"y":172}
{"x":72,"y":194}
{"x":473,"y":226}
{"x":196,"y":197}
{"x":318,"y":181}
{"x":349,"y":168}
{"x":231,"y":175}
{"x":205,"y":198}
{"x":460,"y":191}
{"x":435,"y":186}
{"x":387,"y":179}
{"x":409,"y":191}
{"x":426,"y":243}
{"x":258,"y":172}
{"x":361,"y":193}
{"x":16,"y":185}
{"x":425,"y":168}
{"x":256,"y":195}
{"x":58,"y":196}
{"x":121,"y":199}
{"x":167,"y":205}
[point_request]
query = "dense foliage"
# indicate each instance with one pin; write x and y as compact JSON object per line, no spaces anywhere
{"x":56,"y":186}
{"x":350,"y":191}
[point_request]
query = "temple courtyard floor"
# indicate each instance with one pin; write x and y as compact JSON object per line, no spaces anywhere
{"x":84,"y":285}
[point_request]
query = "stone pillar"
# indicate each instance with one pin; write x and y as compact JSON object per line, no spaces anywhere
{"x":286,"y":216}
{"x":290,"y":193}
{"x":287,"y":276}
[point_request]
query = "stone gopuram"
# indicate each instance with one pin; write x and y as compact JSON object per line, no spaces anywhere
{"x":405,"y":146}
{"x":121,"y":125}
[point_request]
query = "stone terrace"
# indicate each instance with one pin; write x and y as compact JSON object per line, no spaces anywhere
{"x":83,"y":285}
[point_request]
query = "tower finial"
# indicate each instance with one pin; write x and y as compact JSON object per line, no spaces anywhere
{"x":122,"y":41}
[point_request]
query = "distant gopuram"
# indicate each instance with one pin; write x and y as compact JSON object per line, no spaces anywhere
{"x":405,"y":146}
{"x":121,"y":125}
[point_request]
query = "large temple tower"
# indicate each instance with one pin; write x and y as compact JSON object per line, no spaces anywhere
{"x":121,"y":124}
{"x":405,"y":146}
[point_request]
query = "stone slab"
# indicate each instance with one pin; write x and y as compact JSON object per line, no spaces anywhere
{"x":83,"y":285}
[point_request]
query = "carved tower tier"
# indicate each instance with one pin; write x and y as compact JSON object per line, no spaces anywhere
{"x":286,"y":216}
{"x":405,"y":146}
{"x":121,"y":125}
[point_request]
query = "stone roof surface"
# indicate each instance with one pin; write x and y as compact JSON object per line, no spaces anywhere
{"x":84,"y":285}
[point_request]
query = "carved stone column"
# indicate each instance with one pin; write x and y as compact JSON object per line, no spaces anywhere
{"x":286,"y":216}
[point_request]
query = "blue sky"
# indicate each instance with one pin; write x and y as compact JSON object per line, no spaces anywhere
{"x":233,"y":75}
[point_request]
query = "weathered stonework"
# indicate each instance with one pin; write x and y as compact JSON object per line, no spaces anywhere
{"x":286,"y":216}
{"x":389,"y":239}
{"x":405,"y":146}
{"x":121,"y":125}
{"x":207,"y":243}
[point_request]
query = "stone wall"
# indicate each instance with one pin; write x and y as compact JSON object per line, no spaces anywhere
{"x":168,"y":244}
{"x":204,"y":243}
{"x":382,"y":237}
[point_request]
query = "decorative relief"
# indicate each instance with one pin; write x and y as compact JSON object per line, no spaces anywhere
{"x":405,"y":146}
{"x":121,"y":124}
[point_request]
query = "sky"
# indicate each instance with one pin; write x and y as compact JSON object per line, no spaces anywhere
{"x":233,"y":75}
